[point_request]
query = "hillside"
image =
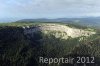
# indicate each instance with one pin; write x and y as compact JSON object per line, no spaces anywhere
{"x":21,"y":44}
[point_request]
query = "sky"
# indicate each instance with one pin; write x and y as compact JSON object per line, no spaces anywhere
{"x":20,"y":9}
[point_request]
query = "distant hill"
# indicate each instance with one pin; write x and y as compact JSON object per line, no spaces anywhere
{"x":89,"y":21}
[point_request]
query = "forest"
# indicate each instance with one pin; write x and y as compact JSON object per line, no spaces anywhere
{"x":17,"y":49}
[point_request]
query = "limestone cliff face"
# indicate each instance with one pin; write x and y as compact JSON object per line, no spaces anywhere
{"x":58,"y":30}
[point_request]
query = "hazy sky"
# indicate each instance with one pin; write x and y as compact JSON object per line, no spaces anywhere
{"x":48,"y":8}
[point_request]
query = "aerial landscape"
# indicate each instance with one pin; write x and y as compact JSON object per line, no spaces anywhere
{"x":49,"y":33}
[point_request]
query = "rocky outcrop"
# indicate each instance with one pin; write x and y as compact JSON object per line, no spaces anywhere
{"x":62,"y":29}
